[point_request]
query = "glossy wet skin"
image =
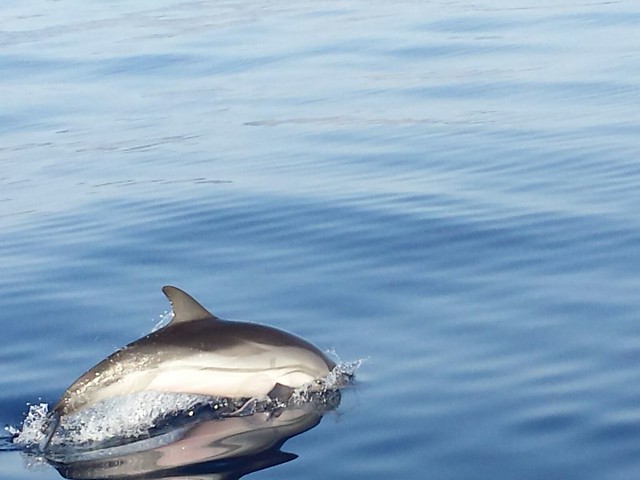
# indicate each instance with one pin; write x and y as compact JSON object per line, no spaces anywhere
{"x":198,"y":353}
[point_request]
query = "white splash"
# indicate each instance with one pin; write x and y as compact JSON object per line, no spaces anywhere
{"x":165,"y":318}
{"x":124,"y":419}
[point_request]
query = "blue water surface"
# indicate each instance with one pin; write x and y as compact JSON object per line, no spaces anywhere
{"x":446,"y":188}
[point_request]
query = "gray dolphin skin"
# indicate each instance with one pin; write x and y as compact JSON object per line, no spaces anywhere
{"x":199,"y":353}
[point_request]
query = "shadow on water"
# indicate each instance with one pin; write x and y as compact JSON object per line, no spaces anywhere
{"x":222,"y":448}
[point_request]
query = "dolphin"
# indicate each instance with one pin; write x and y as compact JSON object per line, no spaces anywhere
{"x":199,"y":353}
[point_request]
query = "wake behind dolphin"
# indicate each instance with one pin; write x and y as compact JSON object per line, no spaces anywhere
{"x":198,"y":353}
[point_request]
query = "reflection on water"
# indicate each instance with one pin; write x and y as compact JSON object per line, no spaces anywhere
{"x":220,"y":448}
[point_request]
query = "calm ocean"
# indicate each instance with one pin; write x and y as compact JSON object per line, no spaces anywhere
{"x":449,"y":189}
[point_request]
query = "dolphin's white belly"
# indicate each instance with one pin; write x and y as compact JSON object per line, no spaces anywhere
{"x":221,"y":373}
{"x":218,"y":374}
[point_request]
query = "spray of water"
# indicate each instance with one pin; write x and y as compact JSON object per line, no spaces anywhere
{"x":125,"y":419}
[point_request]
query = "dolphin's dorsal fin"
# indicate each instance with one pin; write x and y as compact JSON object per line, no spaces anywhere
{"x":185,"y":308}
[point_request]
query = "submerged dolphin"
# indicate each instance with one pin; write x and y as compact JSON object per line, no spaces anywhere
{"x":198,"y":353}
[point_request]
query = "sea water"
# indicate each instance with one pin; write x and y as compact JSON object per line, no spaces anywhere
{"x":446,"y":188}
